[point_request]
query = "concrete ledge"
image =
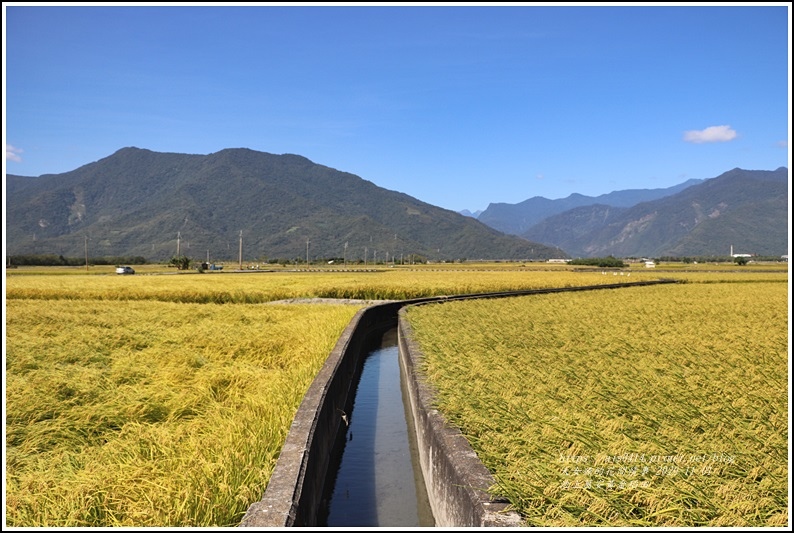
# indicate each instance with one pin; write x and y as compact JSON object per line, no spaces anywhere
{"x":456,"y":480}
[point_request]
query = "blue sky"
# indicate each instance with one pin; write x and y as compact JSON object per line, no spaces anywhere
{"x":458,"y":106}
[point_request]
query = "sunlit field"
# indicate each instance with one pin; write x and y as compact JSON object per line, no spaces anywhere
{"x":644,"y":406}
{"x":163,"y":398}
{"x":260,"y":287}
{"x":128,"y":413}
{"x":274,"y":282}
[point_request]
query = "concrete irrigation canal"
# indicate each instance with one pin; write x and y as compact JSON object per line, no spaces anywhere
{"x":367,"y":448}
{"x":378,"y":480}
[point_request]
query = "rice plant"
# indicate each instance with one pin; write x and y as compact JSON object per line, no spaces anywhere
{"x":163,"y":400}
{"x":129,"y":413}
{"x":251,"y":288}
{"x":646,"y":406}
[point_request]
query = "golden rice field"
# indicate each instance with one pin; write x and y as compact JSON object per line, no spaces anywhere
{"x":163,"y":400}
{"x":644,"y":406}
{"x":150,"y":413}
{"x":260,"y":287}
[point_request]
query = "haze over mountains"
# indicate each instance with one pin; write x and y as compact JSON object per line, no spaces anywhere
{"x":745,"y":208}
{"x":139,"y":202}
{"x":518,"y":218}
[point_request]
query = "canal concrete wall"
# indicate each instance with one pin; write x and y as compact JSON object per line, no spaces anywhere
{"x":457,"y":482}
{"x":294,"y":496}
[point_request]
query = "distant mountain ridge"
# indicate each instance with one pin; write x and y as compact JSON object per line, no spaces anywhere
{"x":138,"y":202}
{"x":517,"y":218}
{"x":745,"y":208}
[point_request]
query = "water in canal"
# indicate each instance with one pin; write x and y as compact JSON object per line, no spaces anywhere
{"x":378,"y":482}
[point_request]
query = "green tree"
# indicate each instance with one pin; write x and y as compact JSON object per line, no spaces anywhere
{"x":603,"y":262}
{"x":181,"y":262}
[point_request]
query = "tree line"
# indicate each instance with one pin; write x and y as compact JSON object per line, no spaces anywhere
{"x":59,"y":260}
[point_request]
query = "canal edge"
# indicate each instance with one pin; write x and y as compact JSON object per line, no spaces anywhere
{"x":456,"y":480}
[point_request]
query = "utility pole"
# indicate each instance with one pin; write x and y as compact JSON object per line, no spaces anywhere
{"x":178,"y":236}
{"x":345,"y":256}
{"x":86,"y":253}
{"x":307,"y":254}
{"x":241,"y":249}
{"x":365,"y":256}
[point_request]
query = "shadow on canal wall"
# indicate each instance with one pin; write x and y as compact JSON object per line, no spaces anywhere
{"x":456,"y":480}
{"x":295,"y":494}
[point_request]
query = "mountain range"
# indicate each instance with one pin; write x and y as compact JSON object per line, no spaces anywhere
{"x":744,"y":208}
{"x":137,"y":202}
{"x":518,"y":218}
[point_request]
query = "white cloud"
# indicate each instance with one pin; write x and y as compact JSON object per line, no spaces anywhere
{"x":712,"y":134}
{"x":782,"y":144}
{"x":12,"y":153}
{"x":540,"y":177}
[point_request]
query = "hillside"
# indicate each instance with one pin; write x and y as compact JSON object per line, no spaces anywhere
{"x":517,"y":218}
{"x":136,"y":202}
{"x":746,"y":208}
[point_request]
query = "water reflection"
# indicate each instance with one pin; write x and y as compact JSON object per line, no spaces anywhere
{"x":375,"y":484}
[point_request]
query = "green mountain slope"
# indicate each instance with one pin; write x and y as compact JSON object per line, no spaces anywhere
{"x":746,"y":208}
{"x":139,"y":202}
{"x":516,"y":219}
